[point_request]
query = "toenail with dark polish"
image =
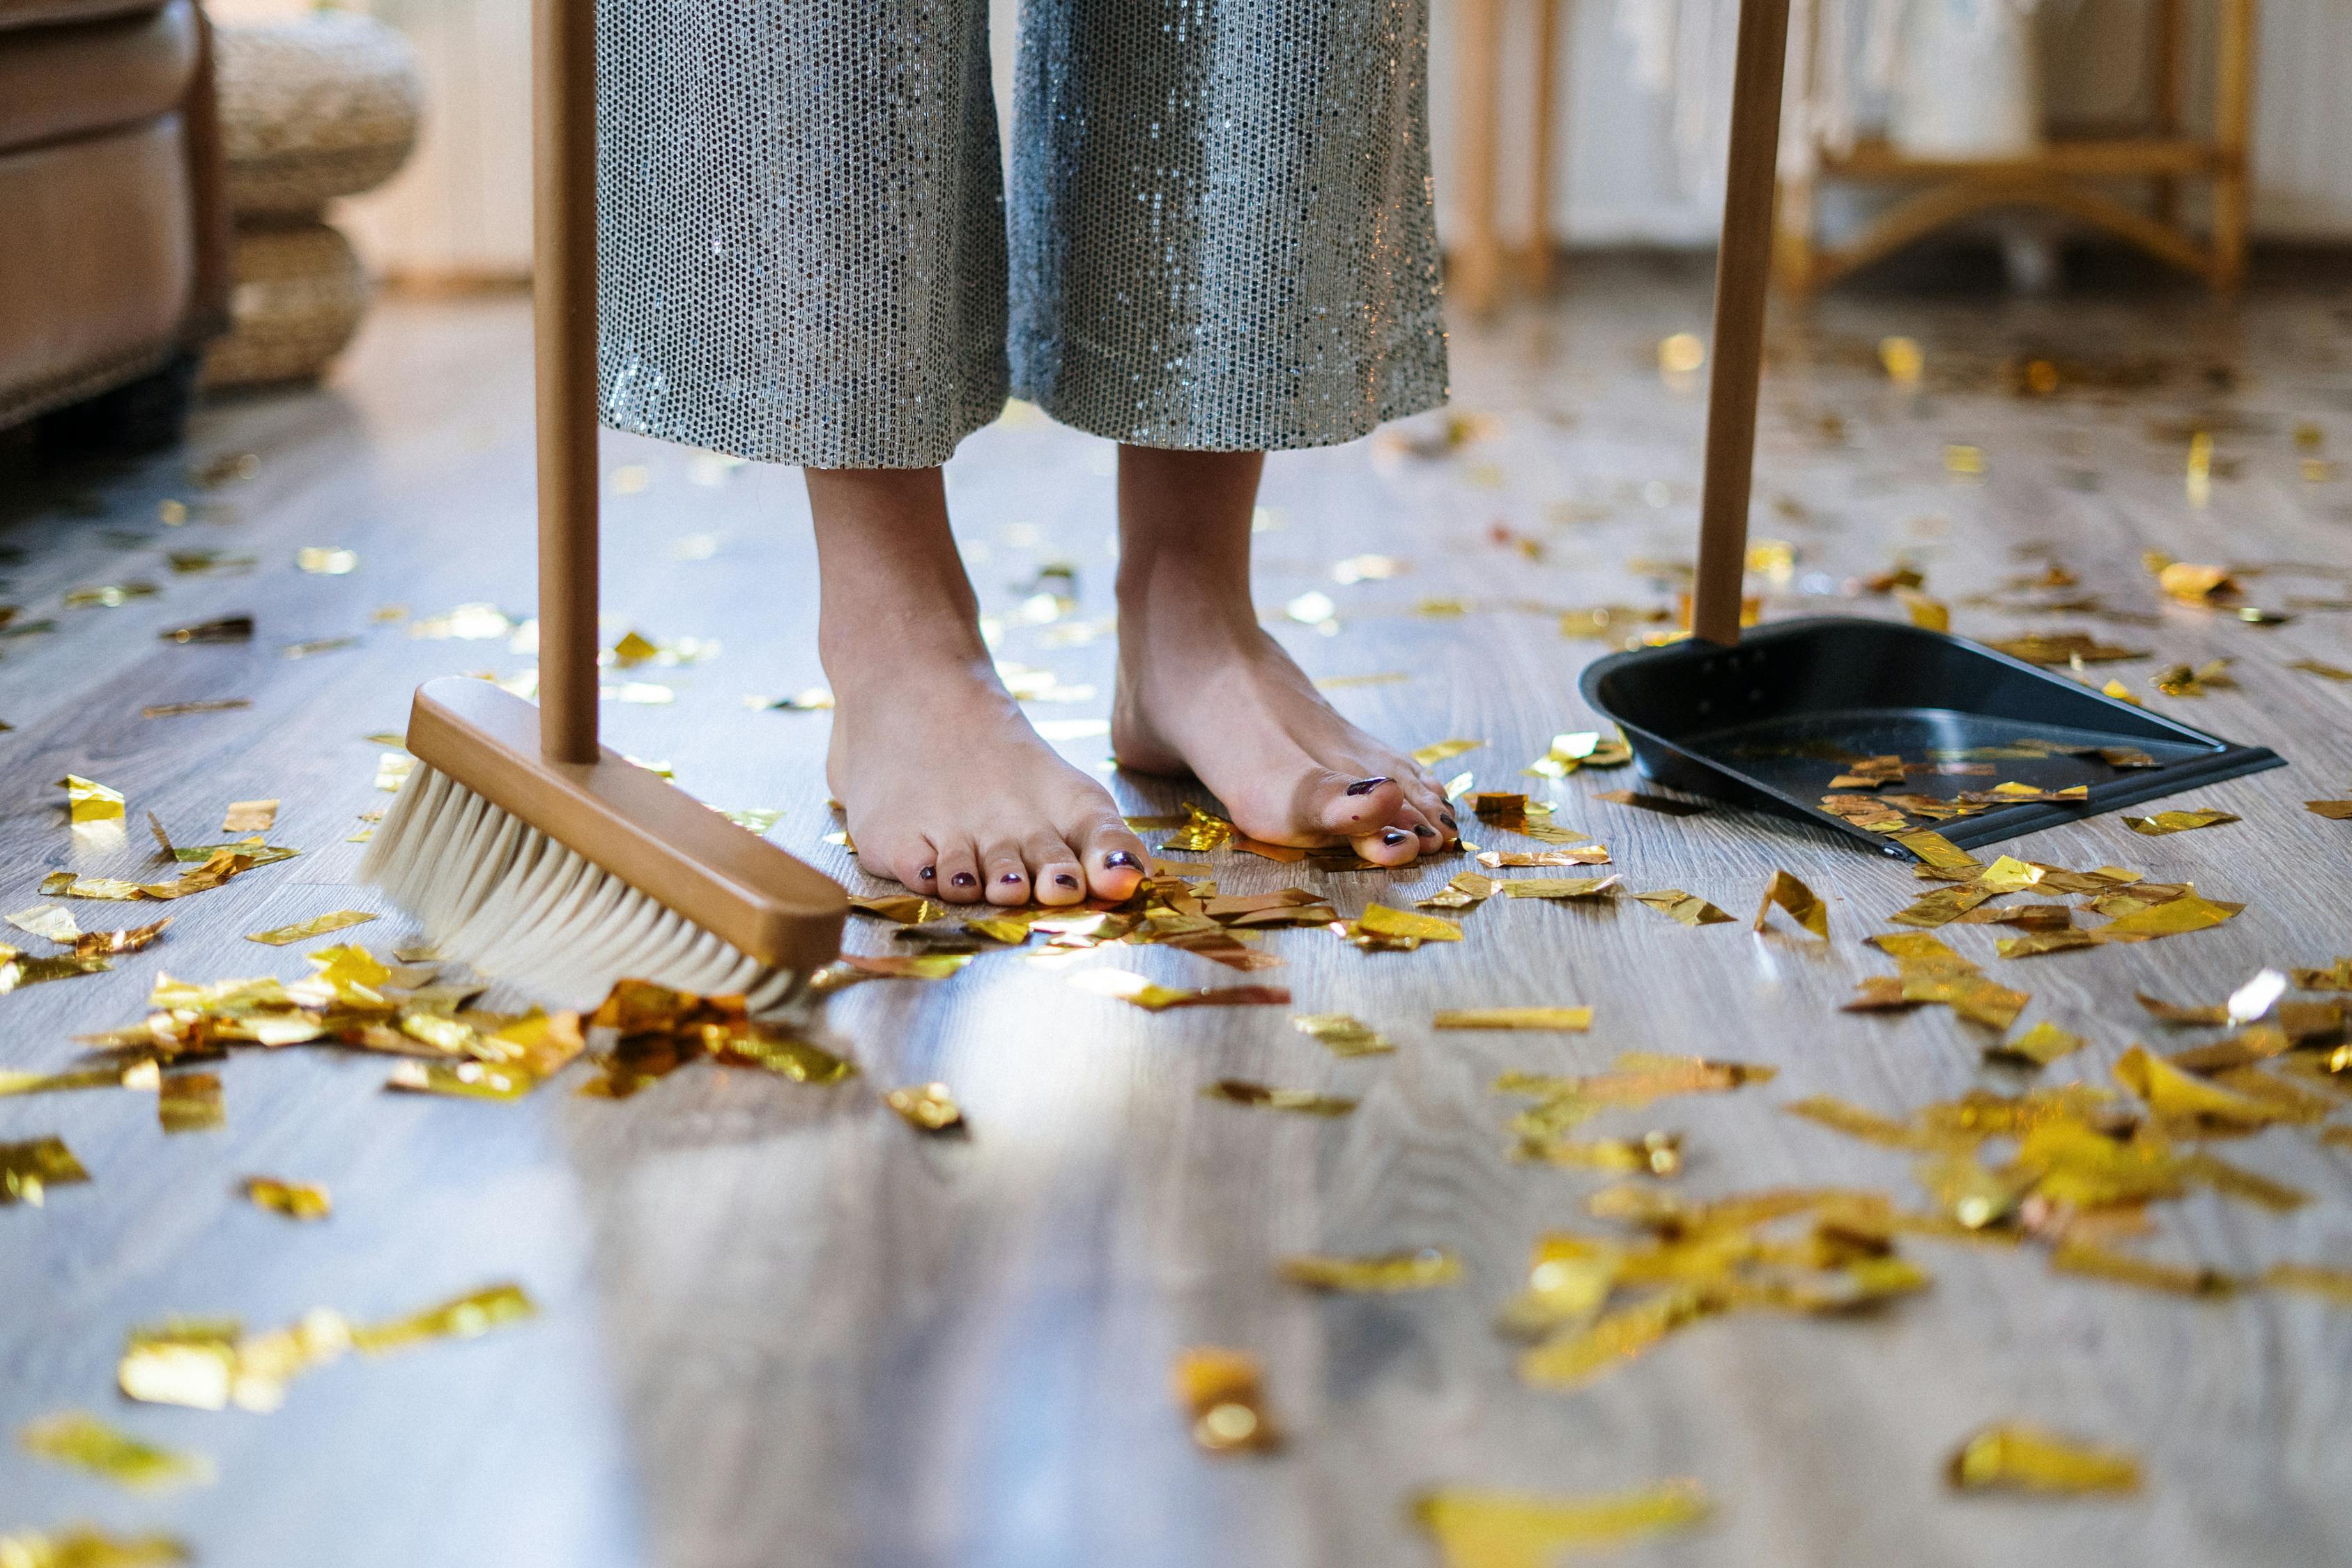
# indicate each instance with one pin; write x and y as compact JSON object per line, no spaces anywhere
{"x":1447,"y":817}
{"x":1366,"y":786}
{"x":1010,"y":877}
{"x":928,"y":874}
{"x":1121,"y":857}
{"x":962,"y":879}
{"x":1424,"y":830}
{"x":1064,"y":879}
{"x":1393,"y":836}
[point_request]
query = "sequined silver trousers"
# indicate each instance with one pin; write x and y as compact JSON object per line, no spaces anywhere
{"x":1219,"y":233}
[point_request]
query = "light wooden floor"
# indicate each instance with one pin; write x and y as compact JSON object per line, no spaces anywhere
{"x":778,"y":1328}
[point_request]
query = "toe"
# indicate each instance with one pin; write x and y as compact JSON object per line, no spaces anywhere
{"x":1006,"y":874}
{"x":917,"y":865}
{"x":1347,"y":808}
{"x":958,"y":869}
{"x":1391,"y":846}
{"x":1114,"y":858}
{"x":1056,"y":875}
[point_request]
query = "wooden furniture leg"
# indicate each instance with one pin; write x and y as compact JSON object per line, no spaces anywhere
{"x":2166,"y":49}
{"x":1535,"y":261}
{"x":1479,"y":261}
{"x":2233,"y":113}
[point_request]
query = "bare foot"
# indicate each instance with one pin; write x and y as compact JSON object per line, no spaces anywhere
{"x":1203,"y":689}
{"x":948,"y":787}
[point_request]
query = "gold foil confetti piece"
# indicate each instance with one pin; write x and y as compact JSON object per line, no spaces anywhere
{"x":2320,"y":668}
{"x":904,"y":909}
{"x":1558,"y":1018}
{"x":1967,"y":1192}
{"x":1203,"y":832}
{"x":1575,"y":1356}
{"x":265,"y":1364}
{"x":1126,"y":985}
{"x":89,"y":802}
{"x":2173,"y":1094}
{"x":465,"y":1318}
{"x":228,"y":628}
{"x":181,"y":709}
{"x":1656,"y":1154}
{"x":1343,"y":1035}
{"x":2333,"y":1286}
{"x":1563,"y":887}
{"x":2014,"y":1457}
{"x":1223,"y":1394}
{"x":1474,"y":1528}
{"x":2174,"y":916}
{"x":2009,"y":875}
{"x":318,"y":645}
{"x":1468,"y":889}
{"x":19,"y":1083}
{"x":461,"y":1080}
{"x":1288,"y":854}
{"x":2072,"y":1256}
{"x":1870,"y":1126}
{"x":1584,"y":855}
{"x":325,"y":561}
{"x":1389,"y":1274}
{"x":190,"y":1102}
{"x":2065,"y":648}
{"x":1380,"y":919}
{"x":81,"y":1440}
{"x":46,"y":920}
{"x":2334,"y":810}
{"x":753,"y":819}
{"x":2121,"y":693}
{"x":926,"y":1107}
{"x":2042,"y":942}
{"x":186,"y":1361}
{"x":81,"y":1546}
{"x":316,"y":925}
{"x":2165,"y":822}
{"x":1685,"y":909}
{"x":2024,"y":917}
{"x":1964,"y":460}
{"x":2336,"y":977}
{"x":474,"y":623}
{"x":295,"y":1200}
{"x":1680,"y":353}
{"x":1241,"y":1092}
{"x":1932,"y":614}
{"x":1803,"y":904}
{"x":108,"y":596}
{"x":1641,"y":1076}
{"x":2247,"y":1186}
{"x":1871,"y":772}
{"x":2038,"y":1047}
{"x":1368,"y":569}
{"x":1863,"y":811}
{"x":1942,"y":907}
{"x":2195,"y":584}
{"x":249,"y":816}
{"x":392,"y":769}
{"x":1545,"y":833}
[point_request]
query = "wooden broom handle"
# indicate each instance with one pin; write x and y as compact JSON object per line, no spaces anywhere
{"x":563,"y":297}
{"x":1743,"y":269}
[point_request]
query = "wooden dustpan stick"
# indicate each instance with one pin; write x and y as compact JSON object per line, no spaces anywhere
{"x":564,"y":299}
{"x":1743,"y":269}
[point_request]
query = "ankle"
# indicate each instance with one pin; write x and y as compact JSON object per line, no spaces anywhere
{"x":879,"y":642}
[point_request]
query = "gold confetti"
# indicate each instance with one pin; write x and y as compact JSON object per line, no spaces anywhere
{"x":1933,"y":614}
{"x":2322,"y":669}
{"x":110,"y":597}
{"x":1577,"y":1355}
{"x":89,"y":802}
{"x":1223,"y":1394}
{"x":181,"y":709}
{"x":1241,"y":1092}
{"x":2121,"y":693}
{"x":190,"y":1102}
{"x":1681,"y":354}
{"x":2334,"y":810}
{"x":249,"y":816}
{"x":1665,"y":805}
{"x":2042,"y":942}
{"x":28,"y":1170}
{"x":1126,"y":985}
{"x":1479,"y":1529}
{"x":2336,"y":977}
{"x":2016,"y":1457}
{"x":295,"y":1200}
{"x":392,"y":769}
{"x":465,"y":1318}
{"x":2331,"y":1285}
{"x":2038,"y":1047}
{"x":1870,"y":1126}
{"x":1652,"y":1153}
{"x":1562,"y":887}
{"x":461,"y":1080}
{"x":1397,"y":1272}
{"x":228,"y":628}
{"x":926,"y":1107}
{"x":1203,"y":832}
{"x":325,"y":561}
{"x":1801,"y":903}
{"x":2194,"y":584}
{"x":904,"y":909}
{"x":1563,"y":1018}
{"x":1582,"y":855}
{"x":1429,"y":756}
{"x":1685,"y":909}
{"x":1343,"y":1035}
{"x":2165,"y":822}
{"x":83,"y":1547}
{"x":1964,"y":460}
{"x":46,"y":920}
{"x":2176,"y":1096}
{"x":1902,"y":359}
{"x":81,"y":1440}
{"x":2065,"y":648}
{"x":316,"y":925}
{"x":2171,"y":918}
{"x":1467,"y":889}
{"x":17,"y":972}
{"x":1380,"y":919}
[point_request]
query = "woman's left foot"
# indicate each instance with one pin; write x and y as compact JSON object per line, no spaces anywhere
{"x":1203,"y":689}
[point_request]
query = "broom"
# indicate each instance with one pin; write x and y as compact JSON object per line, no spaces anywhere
{"x":518,"y":842}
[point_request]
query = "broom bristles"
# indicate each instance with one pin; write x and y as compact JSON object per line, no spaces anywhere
{"x":491,"y":891}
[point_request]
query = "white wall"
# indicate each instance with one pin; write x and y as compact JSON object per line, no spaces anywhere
{"x":462,"y":206}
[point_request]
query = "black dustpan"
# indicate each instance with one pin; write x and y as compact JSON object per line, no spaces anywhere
{"x":1772,"y":718}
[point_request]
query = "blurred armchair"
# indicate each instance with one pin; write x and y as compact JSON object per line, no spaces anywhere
{"x":113,"y":234}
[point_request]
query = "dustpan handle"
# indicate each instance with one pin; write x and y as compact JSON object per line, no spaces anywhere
{"x":564,"y":299}
{"x":1743,"y":269}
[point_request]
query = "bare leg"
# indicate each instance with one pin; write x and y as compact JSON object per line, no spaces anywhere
{"x":948,"y":788}
{"x":1201,"y":688}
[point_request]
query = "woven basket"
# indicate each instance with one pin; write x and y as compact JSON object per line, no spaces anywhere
{"x":313,"y":110}
{"x":298,"y":297}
